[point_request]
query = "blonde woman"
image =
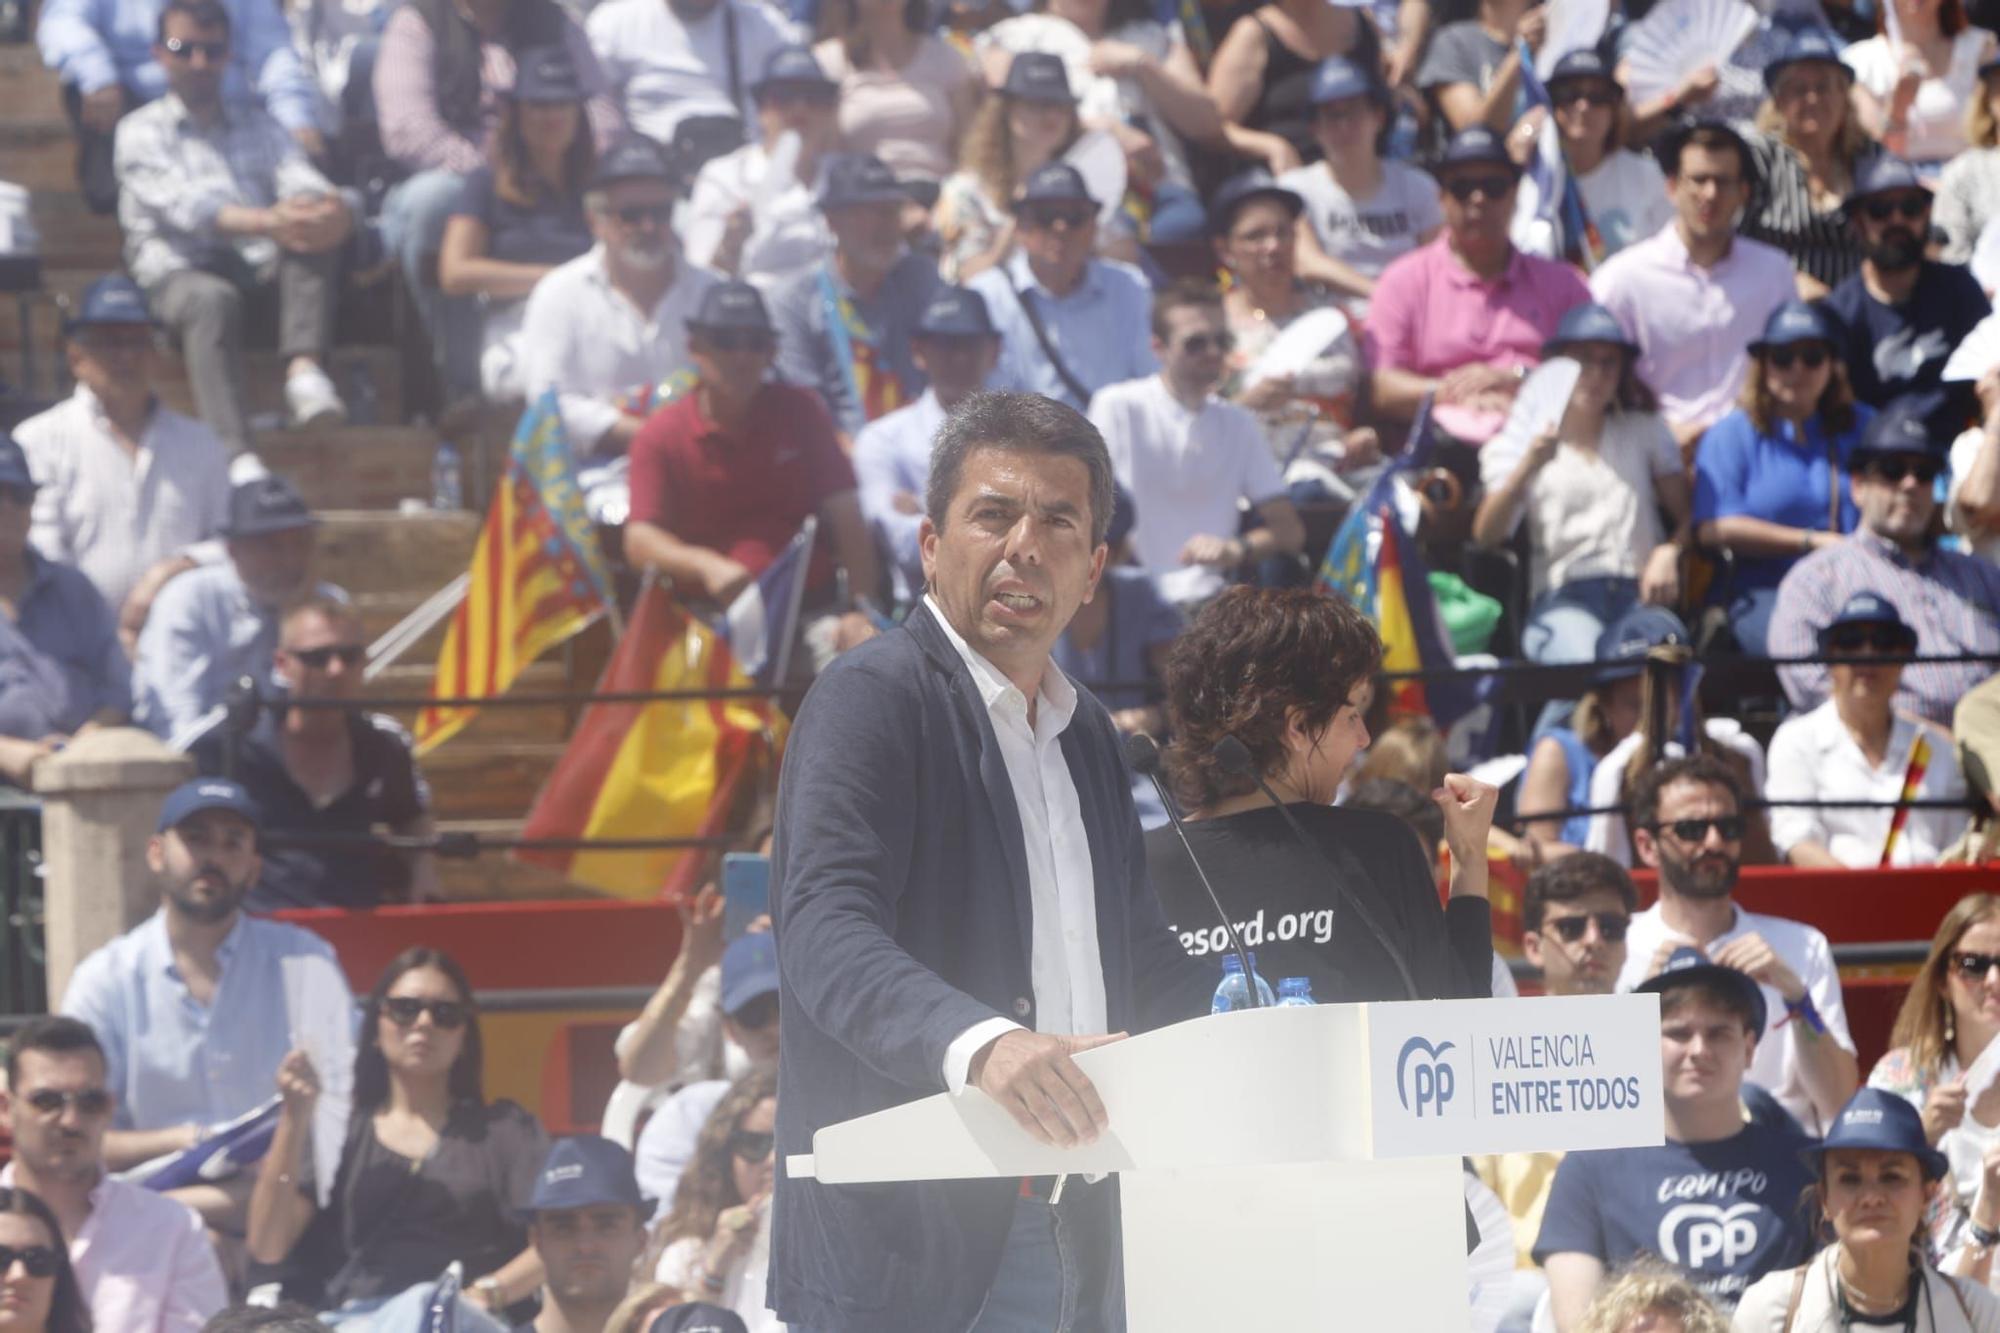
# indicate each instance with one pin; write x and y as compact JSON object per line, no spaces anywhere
{"x":1650,"y":1297}
{"x":1968,"y":194}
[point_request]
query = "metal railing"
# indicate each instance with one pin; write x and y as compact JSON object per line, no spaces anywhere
{"x":23,"y":954}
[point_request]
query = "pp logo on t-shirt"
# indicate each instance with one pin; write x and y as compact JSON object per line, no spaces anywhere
{"x":1716,"y":1237}
{"x":1428,"y":1079}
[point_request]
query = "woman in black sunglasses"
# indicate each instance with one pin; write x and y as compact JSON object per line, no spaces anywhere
{"x":430,"y":1172}
{"x":1772,"y":479}
{"x":712,"y":1245}
{"x":38,"y":1288}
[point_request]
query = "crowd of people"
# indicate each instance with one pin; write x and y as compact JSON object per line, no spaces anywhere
{"x":1704,"y":373}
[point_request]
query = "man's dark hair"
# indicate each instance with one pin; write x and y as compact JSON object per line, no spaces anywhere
{"x":1712,"y":135}
{"x":1571,"y":877}
{"x":1705,"y":769}
{"x":204,"y":14}
{"x":1184,"y":294}
{"x":287,"y":1317}
{"x":1730,"y":999}
{"x":57,"y":1034}
{"x":1025,"y":423}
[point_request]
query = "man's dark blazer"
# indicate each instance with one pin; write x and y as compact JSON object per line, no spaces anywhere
{"x":902,"y":917}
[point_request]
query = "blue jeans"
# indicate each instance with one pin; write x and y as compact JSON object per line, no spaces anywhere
{"x":413,"y":218}
{"x":1564,"y":625}
{"x":1750,"y":617}
{"x":1177,"y":214}
{"x":404,"y":1313}
{"x":1058,"y":1273}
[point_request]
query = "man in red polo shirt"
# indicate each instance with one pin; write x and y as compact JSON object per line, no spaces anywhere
{"x":724,"y":476}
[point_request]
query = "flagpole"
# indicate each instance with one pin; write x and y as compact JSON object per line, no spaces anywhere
{"x":807,"y":535}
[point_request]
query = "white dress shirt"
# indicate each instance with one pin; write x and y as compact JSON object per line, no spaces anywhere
{"x":115,"y":514}
{"x":665,"y":68}
{"x":788,"y":235}
{"x":1065,"y":969}
{"x":1815,"y":758}
{"x":584,"y":338}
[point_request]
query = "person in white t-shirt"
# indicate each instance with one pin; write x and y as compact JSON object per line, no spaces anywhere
{"x":1857,"y":747}
{"x":1190,"y":459}
{"x":1688,"y":824}
{"x":670,"y":61}
{"x":1361,"y":210}
{"x":1624,"y":194}
{"x":1972,"y":509}
{"x":1911,"y":90}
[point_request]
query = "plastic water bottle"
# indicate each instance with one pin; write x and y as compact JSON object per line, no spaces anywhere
{"x":447,"y":479}
{"x":1234,"y":992}
{"x":1296,"y":991}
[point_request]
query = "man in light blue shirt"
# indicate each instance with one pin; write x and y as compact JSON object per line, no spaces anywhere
{"x":214,"y":624}
{"x":197,"y":1005}
{"x":957,"y":346}
{"x":1094,"y":315}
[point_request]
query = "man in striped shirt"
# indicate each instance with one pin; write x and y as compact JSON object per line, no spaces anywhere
{"x":1951,"y":599}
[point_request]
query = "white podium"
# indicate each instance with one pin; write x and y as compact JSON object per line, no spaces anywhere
{"x":1279,"y":1165}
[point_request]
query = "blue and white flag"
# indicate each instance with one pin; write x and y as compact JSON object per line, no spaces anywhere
{"x":760,"y":623}
{"x":227,"y":1149}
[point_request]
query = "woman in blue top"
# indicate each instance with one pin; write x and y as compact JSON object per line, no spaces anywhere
{"x":1771,"y":478}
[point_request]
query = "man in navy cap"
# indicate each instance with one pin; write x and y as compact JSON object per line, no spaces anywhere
{"x":218,"y":623}
{"x":61,"y":666}
{"x":1903,"y":314}
{"x":740,"y":222}
{"x":957,"y":346}
{"x":1951,"y":599}
{"x":724,"y":476}
{"x":1464,"y":316}
{"x":1069,"y":323}
{"x":844,"y":325}
{"x":132,"y":492}
{"x":611,"y":325}
{"x":194,"y":1005}
{"x":587,"y":1222}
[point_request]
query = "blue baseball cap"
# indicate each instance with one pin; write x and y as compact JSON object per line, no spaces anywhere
{"x":1687,"y":966}
{"x":697,"y":1317}
{"x":546,"y":74}
{"x":956,"y":312}
{"x":112,"y":299}
{"x":1911,"y":424}
{"x":1875,"y":1120}
{"x":584,"y":1170}
{"x":1037,"y":76}
{"x":732,"y":305}
{"x":1622,"y":647}
{"x":632,"y":158}
{"x":794,"y":67}
{"x":860,"y":178}
{"x":14,"y":471}
{"x":1808,"y":46}
{"x":1338,"y":79}
{"x":1589,"y":323}
{"x":191,"y":798}
{"x":1584,"y":63}
{"x":749,"y":970}
{"x":1884,"y":175}
{"x":265,"y":505}
{"x":1795,"y":322}
{"x":1240,"y":189}
{"x":1054,"y":183}
{"x":1476,"y":145}
{"x":1866,"y":608}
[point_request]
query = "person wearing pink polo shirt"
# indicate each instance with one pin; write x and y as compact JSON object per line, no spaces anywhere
{"x":1465,"y":316}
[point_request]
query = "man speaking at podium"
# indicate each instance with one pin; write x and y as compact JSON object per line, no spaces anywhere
{"x":962,"y":901}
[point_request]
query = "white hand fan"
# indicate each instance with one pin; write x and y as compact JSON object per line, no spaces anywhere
{"x":1303,"y":342}
{"x":1489,"y":1269}
{"x":781,"y":173}
{"x":1544,"y":397}
{"x":1574,"y":25}
{"x":1979,"y":353}
{"x":1101,"y":162}
{"x":1679,"y":37}
{"x":321,"y":1017}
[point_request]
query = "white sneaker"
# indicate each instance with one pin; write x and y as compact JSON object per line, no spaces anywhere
{"x":312,"y":399}
{"x":246,"y":467}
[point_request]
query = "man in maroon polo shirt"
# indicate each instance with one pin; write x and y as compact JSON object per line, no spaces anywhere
{"x":723,"y":477}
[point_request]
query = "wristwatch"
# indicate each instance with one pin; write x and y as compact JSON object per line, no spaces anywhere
{"x":489,"y":1287}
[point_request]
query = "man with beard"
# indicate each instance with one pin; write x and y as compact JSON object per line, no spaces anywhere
{"x":141,"y":1260}
{"x":1903,"y":314}
{"x":1950,"y":598}
{"x":587,"y":1222}
{"x":192,"y":1006}
{"x":213,"y":625}
{"x":606,"y":327}
{"x":1687,"y":823}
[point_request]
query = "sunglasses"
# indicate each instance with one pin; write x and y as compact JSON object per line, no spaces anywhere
{"x":638,"y":215}
{"x":1201,"y":344}
{"x":757,"y":1014}
{"x":1696,"y":830}
{"x":23,"y":496}
{"x":404,"y":1010}
{"x":749,"y":1146}
{"x":1570,"y":929}
{"x":348,"y":654}
{"x":1867,"y":638}
{"x":1894,"y":470}
{"x":185,"y":48}
{"x":738,"y":340}
{"x":90,"y":1102}
{"x":1783,"y":358}
{"x":1974,"y":966}
{"x":1910,"y":206}
{"x":1050,"y":218}
{"x":39,"y":1260}
{"x":1587,"y":94}
{"x":1462,"y":188}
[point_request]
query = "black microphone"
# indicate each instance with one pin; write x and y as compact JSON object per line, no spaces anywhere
{"x":1234,"y":756}
{"x":1143,"y":753}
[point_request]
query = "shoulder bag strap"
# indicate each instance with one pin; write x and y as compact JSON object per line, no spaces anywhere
{"x":1798,"y":1294}
{"x":734,"y":57}
{"x":1063,"y":372}
{"x":1832,"y":485}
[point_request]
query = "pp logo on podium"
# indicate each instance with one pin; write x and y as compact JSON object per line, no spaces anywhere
{"x":1426,"y":1079}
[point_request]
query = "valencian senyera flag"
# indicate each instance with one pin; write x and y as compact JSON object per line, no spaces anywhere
{"x":1373,"y":561}
{"x":537,"y":577}
{"x":672,"y":768}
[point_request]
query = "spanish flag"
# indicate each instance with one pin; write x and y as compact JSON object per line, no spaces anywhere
{"x":1913,"y":785}
{"x":537,"y":577}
